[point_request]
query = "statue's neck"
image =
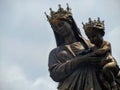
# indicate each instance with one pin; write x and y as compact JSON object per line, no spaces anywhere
{"x":70,"y":39}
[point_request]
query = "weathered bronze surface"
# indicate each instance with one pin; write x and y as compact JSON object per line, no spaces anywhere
{"x":77,"y":63}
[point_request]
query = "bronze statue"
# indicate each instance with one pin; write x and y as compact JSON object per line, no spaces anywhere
{"x":72,"y":63}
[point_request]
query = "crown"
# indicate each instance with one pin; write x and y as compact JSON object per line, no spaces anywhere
{"x":94,"y":24}
{"x":60,"y":14}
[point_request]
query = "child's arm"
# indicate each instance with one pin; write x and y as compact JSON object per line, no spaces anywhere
{"x":106,"y":47}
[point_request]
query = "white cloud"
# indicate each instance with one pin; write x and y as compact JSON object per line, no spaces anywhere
{"x":12,"y":77}
{"x":32,"y":56}
{"x":45,"y":83}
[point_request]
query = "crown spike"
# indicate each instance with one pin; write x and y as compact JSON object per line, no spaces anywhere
{"x":98,"y":19}
{"x":83,"y":25}
{"x":60,"y":8}
{"x":68,"y":8}
{"x":103,"y":22}
{"x":48,"y":17}
{"x":90,"y":20}
{"x":51,"y":11}
{"x":59,"y":5}
{"x":95,"y":21}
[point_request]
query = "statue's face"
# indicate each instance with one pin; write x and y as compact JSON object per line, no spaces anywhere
{"x":95,"y":37}
{"x":63,"y":28}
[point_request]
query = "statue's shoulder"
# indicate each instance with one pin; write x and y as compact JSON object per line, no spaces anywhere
{"x":52,"y":55}
{"x":107,"y":43}
{"x":53,"y":51}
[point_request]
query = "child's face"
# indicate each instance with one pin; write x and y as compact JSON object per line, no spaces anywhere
{"x":95,"y":37}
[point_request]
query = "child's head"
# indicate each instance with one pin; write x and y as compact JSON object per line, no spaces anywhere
{"x":94,"y":31}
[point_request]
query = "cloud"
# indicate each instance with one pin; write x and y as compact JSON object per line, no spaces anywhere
{"x":32,"y":56}
{"x":12,"y":77}
{"x":45,"y":82}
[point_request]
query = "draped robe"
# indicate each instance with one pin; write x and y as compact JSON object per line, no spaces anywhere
{"x":86,"y":76}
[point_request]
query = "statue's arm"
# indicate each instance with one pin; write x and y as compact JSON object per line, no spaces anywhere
{"x":60,"y":70}
{"x":103,"y":50}
{"x":106,"y":48}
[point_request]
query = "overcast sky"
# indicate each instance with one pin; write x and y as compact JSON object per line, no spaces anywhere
{"x":26,"y":38}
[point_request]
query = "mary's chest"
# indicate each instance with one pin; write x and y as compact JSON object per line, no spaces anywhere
{"x":70,"y":51}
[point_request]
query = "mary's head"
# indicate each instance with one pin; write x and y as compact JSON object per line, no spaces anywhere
{"x":63,"y":25}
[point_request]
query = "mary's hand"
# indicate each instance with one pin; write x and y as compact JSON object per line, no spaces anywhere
{"x":95,"y":59}
{"x":105,"y":61}
{"x":90,"y":58}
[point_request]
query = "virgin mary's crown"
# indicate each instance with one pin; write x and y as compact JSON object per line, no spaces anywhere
{"x":60,"y":14}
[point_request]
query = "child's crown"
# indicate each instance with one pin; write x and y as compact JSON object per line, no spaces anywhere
{"x":94,"y":24}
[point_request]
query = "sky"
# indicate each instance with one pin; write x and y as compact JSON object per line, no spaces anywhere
{"x":26,"y":38}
